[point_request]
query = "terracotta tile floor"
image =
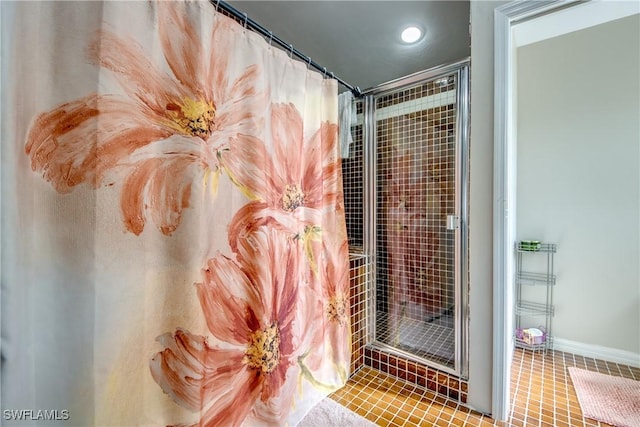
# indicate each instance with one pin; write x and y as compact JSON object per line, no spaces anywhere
{"x":541,"y":390}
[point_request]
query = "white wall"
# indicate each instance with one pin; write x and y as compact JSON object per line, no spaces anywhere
{"x":481,"y":207}
{"x":579,"y":179}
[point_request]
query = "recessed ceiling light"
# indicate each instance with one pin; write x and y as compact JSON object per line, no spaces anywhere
{"x":411,"y":34}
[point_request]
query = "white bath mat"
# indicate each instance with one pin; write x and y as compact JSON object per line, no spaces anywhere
{"x":329,"y":413}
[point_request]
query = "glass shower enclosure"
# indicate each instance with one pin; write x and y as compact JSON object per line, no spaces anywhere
{"x":414,"y":213}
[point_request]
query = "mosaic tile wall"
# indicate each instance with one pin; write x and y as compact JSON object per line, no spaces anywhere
{"x":417,"y":373}
{"x":365,"y":355}
{"x":353,"y":185}
{"x":435,"y":124}
{"x":359,"y":279}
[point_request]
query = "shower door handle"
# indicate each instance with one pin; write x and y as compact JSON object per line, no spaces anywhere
{"x":453,"y":222}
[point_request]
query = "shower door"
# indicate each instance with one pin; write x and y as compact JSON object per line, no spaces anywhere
{"x":418,"y":234}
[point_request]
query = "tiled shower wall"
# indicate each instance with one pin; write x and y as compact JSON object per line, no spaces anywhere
{"x":359,"y":282}
{"x":353,"y":178}
{"x":439,"y":125}
{"x":416,"y":174}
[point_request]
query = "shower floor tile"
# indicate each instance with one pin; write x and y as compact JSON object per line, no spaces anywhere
{"x":541,"y":395}
{"x":433,"y":340}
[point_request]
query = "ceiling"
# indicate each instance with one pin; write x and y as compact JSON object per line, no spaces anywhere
{"x":360,"y":40}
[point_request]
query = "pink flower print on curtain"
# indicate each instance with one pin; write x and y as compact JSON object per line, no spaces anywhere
{"x":290,"y":178}
{"x":302,"y":276}
{"x":164,"y":133}
{"x":326,"y":303}
{"x":297,"y":189}
{"x":176,"y":96}
{"x":249,"y":305}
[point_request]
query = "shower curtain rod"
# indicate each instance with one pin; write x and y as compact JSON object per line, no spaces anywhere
{"x":248,"y":22}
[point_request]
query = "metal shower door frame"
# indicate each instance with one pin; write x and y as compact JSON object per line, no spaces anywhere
{"x":461,"y":315}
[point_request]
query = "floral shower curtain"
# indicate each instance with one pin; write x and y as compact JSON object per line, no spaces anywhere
{"x":173,"y":240}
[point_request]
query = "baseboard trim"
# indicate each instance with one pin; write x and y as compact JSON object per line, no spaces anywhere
{"x":597,"y":352}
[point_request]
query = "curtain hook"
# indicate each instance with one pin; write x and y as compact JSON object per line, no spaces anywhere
{"x":332,"y":75}
{"x":217,"y":4}
{"x":291,"y":51}
{"x":246,"y":17}
{"x":324,"y":70}
{"x":270,"y":37}
{"x":309,"y":63}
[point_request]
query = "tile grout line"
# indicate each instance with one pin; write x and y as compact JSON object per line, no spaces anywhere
{"x":535,"y":377}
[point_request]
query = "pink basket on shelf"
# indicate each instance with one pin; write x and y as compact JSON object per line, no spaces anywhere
{"x":531,"y":336}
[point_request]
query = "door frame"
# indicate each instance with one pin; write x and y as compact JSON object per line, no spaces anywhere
{"x":508,"y":34}
{"x":461,"y":69}
{"x":504,"y":191}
